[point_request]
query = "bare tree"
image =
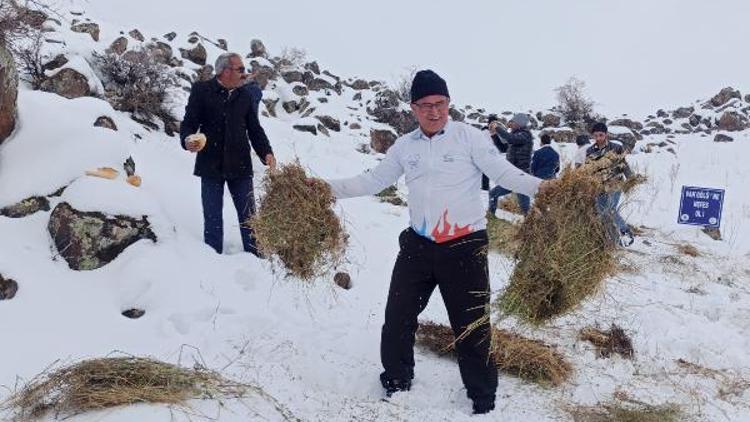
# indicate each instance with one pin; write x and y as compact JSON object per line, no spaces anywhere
{"x":573,"y":103}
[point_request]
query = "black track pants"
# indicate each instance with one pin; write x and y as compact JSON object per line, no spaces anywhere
{"x":459,"y":269}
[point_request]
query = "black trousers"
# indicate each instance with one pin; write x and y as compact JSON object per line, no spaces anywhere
{"x":459,"y":269}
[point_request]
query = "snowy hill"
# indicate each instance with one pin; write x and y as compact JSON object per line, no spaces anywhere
{"x":315,"y":349}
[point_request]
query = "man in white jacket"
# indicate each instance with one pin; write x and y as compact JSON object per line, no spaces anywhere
{"x":445,"y":245}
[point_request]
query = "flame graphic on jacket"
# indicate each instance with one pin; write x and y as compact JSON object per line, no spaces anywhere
{"x":445,"y":234}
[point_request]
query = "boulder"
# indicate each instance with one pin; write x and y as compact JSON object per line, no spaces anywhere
{"x":732,"y":121}
{"x":318,"y":84}
{"x":683,"y":112}
{"x":550,"y":120}
{"x":292,"y":76}
{"x":306,"y":128}
{"x":387,"y":110}
{"x":271,"y":106}
{"x":360,"y":84}
{"x":258,"y":49}
{"x":8,"y":93}
{"x":456,"y":115}
{"x":263,"y":73}
{"x":160,"y":51}
{"x":330,"y":123}
{"x":196,"y":54}
{"x":87,"y":28}
{"x":205,"y":73}
{"x":313,"y":67}
{"x":322,"y":129}
{"x":694,"y":120}
{"x":343,"y":280}
{"x":563,"y":136}
{"x":628,"y":140}
{"x":118,"y":46}
{"x":136,"y":34}
{"x":170,"y":36}
{"x":8,"y":288}
{"x":222,"y":44}
{"x":381,"y":140}
{"x":90,"y":240}
{"x":67,"y":83}
{"x":355,"y":126}
{"x":724,"y":96}
{"x":57,"y":62}
{"x":105,"y":122}
{"x":300,"y":90}
{"x":628,"y":123}
{"x":720,"y":137}
{"x":26,"y":207}
{"x":133,"y":313}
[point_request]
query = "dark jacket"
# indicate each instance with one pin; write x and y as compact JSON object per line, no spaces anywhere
{"x":230,"y":123}
{"x":255,"y":93}
{"x":502,"y":146}
{"x":545,"y":163}
{"x":520,"y":144}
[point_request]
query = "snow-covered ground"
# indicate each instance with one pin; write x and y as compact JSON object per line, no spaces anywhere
{"x":315,"y":349}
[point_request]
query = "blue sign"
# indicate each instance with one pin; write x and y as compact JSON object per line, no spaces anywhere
{"x":701,"y":206}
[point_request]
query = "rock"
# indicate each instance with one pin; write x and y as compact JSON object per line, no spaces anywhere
{"x":712,"y":232}
{"x":306,"y":128}
{"x":309,"y":110}
{"x":360,"y":84}
{"x":322,"y":129}
{"x":271,"y":106}
{"x":322,"y":99}
{"x":118,"y":46}
{"x":747,"y":98}
{"x":67,"y":83}
{"x":262,"y":73}
{"x":258,"y":49}
{"x":170,"y":36}
{"x":330,"y":123}
{"x":656,"y":128}
{"x":136,"y":34}
{"x":720,"y":137}
{"x":355,"y":126}
{"x":290,"y":106}
{"x":292,"y":76}
{"x":683,"y":112}
{"x":313,"y":67}
{"x":105,"y":122}
{"x":628,"y":140}
{"x":628,"y":123}
{"x":8,"y":93}
{"x":205,"y":73}
{"x":667,"y":121}
{"x":564,"y":136}
{"x":90,"y":240}
{"x":171,"y":127}
{"x":724,"y":96}
{"x":456,"y":115}
{"x":57,"y":62}
{"x":550,"y":120}
{"x":343,"y":280}
{"x":161,"y":52}
{"x":318,"y":84}
{"x":133,"y":313}
{"x":381,"y":140}
{"x":87,"y":28}
{"x":33,"y":18}
{"x":661,"y":113}
{"x":193,"y":39}
{"x":694,"y":120}
{"x":196,"y":54}
{"x":732,"y":121}
{"x":387,"y":110}
{"x":357,"y":96}
{"x":222,"y":44}
{"x":300,"y":90}
{"x":8,"y":288}
{"x":26,"y":207}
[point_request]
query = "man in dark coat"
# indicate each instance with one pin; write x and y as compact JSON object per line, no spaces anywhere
{"x":492,"y":122}
{"x":220,"y":124}
{"x":520,"y":145}
{"x":545,"y":163}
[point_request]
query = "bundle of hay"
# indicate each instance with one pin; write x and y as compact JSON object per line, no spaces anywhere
{"x":619,"y":412}
{"x":108,"y":382}
{"x":530,"y":360}
{"x":503,"y":235}
{"x":614,"y":340}
{"x":295,"y":223}
{"x":564,"y":251}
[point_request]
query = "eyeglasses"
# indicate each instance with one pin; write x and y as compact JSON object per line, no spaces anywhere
{"x":439,"y":106}
{"x":240,"y":69}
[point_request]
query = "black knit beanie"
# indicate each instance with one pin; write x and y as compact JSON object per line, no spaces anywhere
{"x":427,"y":82}
{"x":599,"y":127}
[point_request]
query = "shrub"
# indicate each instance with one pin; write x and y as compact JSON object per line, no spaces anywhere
{"x":574,"y":105}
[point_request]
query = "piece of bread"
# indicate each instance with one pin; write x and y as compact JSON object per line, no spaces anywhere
{"x":103,"y":172}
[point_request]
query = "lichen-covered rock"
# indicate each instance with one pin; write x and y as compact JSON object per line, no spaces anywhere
{"x":26,"y":207}
{"x":90,"y":240}
{"x":8,"y":93}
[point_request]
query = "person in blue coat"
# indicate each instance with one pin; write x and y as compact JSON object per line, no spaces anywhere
{"x":545,"y":163}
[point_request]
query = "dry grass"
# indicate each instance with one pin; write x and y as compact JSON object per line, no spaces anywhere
{"x":618,"y":412}
{"x":615,"y":340}
{"x":295,"y":223}
{"x":689,"y":250}
{"x":531,"y":360}
{"x":510,"y":203}
{"x":564,"y":252}
{"x":503,"y":235}
{"x":108,"y":382}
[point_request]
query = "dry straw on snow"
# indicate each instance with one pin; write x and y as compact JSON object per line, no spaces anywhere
{"x":295,"y":223}
{"x":531,"y":360}
{"x":564,"y":251}
{"x":108,"y":382}
{"x":614,"y":340}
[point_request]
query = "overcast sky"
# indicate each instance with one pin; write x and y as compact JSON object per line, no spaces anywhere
{"x":635,"y":55}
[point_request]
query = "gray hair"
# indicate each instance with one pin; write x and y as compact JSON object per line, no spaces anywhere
{"x":222,"y":62}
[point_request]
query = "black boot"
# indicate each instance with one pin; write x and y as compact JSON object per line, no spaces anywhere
{"x":393,"y":385}
{"x":481,"y":407}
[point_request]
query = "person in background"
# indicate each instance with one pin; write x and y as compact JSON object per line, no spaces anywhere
{"x":220,"y":124}
{"x":583,"y":143}
{"x":545,"y":163}
{"x":492,"y":122}
{"x":520,"y":144}
{"x":608,"y":201}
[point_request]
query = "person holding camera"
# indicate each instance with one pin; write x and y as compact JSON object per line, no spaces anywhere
{"x":520,"y":144}
{"x":492,"y":122}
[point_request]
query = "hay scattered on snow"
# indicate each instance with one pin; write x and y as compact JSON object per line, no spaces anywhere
{"x":564,"y":251}
{"x":531,"y":360}
{"x":614,"y":340}
{"x":108,"y":382}
{"x":618,"y":412}
{"x":503,"y":235}
{"x":295,"y":223}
